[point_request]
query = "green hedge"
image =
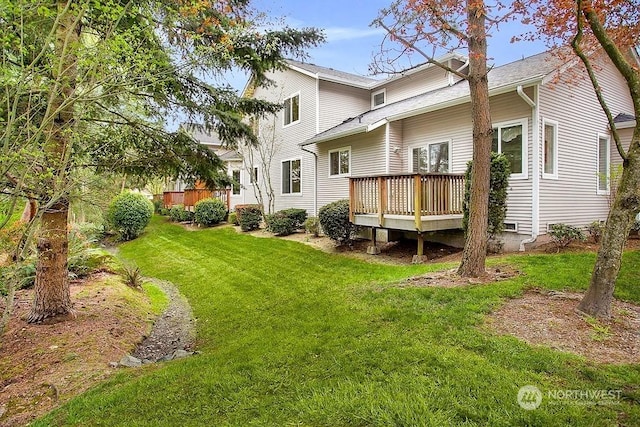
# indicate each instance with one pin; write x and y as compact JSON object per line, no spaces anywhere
{"x":334,"y":219}
{"x":249,"y":216}
{"x":129,"y":213}
{"x":210,"y":211}
{"x":177,"y":213}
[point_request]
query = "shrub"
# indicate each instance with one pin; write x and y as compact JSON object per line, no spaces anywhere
{"x":177,"y":213}
{"x":279,"y":224}
{"x":297,"y":216}
{"x":497,"y":194}
{"x":595,"y":230}
{"x":249,"y":216}
{"x":21,"y":275}
{"x":163,"y":212}
{"x":129,"y":213}
{"x":157,"y":205}
{"x":84,"y":257}
{"x":210,"y":212}
{"x":312,"y":226}
{"x":233,"y":218}
{"x":132,"y":276}
{"x":334,"y":219}
{"x":562,"y":235}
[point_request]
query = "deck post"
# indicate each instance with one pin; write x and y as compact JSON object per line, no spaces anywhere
{"x":417,"y":259}
{"x":352,"y":199}
{"x":373,"y":249}
{"x":382,"y":200}
{"x":417,"y":201}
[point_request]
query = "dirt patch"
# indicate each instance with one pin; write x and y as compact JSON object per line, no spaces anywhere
{"x":400,"y":252}
{"x":451,"y":279}
{"x":551,"y":319}
{"x":41,"y":366}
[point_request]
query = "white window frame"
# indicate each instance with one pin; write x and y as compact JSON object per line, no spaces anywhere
{"x":554,"y":125}
{"x":253,"y":179}
{"x":282,"y":193}
{"x":426,"y":145}
{"x":239,"y":182}
{"x":288,"y":99}
{"x":608,"y":173}
{"x":525,"y":144}
{"x":373,"y":96}
{"x":515,"y":225}
{"x":339,"y":150}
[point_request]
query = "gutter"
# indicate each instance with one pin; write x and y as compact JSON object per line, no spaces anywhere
{"x":315,"y":180}
{"x":535,"y":169}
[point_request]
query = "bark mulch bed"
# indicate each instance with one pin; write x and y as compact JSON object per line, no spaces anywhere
{"x":550,"y":319}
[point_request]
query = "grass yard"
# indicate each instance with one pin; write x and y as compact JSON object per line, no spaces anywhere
{"x":290,"y":336}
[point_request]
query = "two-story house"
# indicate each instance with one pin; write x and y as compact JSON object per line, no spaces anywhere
{"x":397,"y":148}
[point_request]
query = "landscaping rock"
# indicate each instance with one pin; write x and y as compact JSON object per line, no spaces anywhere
{"x":130,"y":362}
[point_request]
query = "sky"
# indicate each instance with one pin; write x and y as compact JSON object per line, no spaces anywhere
{"x":352,"y":43}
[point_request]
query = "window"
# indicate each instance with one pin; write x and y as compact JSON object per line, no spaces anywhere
{"x":235,"y":187}
{"x":603,"y":164}
{"x":378,"y":98}
{"x":254,"y":176}
{"x":291,"y":177}
{"x":432,"y":158}
{"x":292,"y":109}
{"x":340,"y":162}
{"x":510,"y":139}
{"x":550,"y":150}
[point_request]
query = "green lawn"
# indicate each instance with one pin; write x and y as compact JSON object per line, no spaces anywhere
{"x":293,"y":336}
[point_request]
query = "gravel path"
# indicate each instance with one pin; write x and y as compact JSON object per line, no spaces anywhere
{"x":174,"y":330}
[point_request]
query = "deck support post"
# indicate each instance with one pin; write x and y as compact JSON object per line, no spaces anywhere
{"x":373,"y":249}
{"x":417,"y":259}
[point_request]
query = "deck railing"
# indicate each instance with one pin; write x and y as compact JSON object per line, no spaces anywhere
{"x":189,"y":197}
{"x":415,"y":195}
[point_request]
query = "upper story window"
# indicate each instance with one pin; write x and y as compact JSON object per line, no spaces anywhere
{"x":292,"y":110}
{"x":550,"y":150}
{"x":291,"y":177}
{"x":603,"y":164}
{"x":340,"y":162}
{"x":379,"y":98}
{"x":510,"y":139}
{"x":431,"y":158}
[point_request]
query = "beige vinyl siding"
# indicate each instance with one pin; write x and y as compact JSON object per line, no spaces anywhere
{"x":367,"y":158}
{"x":572,"y":198}
{"x":289,"y":82}
{"x":396,"y":159}
{"x":455,"y":124}
{"x":625,"y":137}
{"x":415,"y":84}
{"x":339,"y":102}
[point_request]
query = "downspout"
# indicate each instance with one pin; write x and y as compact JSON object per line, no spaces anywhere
{"x":535,"y":169}
{"x":315,"y":180}
{"x":387,"y":149}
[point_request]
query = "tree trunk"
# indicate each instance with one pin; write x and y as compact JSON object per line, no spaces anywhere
{"x":597,"y":300}
{"x":52,"y":282}
{"x":475,"y":246}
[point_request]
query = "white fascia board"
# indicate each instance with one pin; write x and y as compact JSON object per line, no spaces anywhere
{"x":354,"y":131}
{"x":376,"y":125}
{"x":626,"y":125}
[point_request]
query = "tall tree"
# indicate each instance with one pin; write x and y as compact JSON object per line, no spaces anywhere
{"x":446,"y":25}
{"x":92,"y":84}
{"x":611,"y":28}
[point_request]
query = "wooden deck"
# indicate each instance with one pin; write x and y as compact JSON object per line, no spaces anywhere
{"x":412,"y":202}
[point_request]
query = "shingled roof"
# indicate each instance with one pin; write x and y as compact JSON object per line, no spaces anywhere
{"x":501,"y":79}
{"x":330,"y":74}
